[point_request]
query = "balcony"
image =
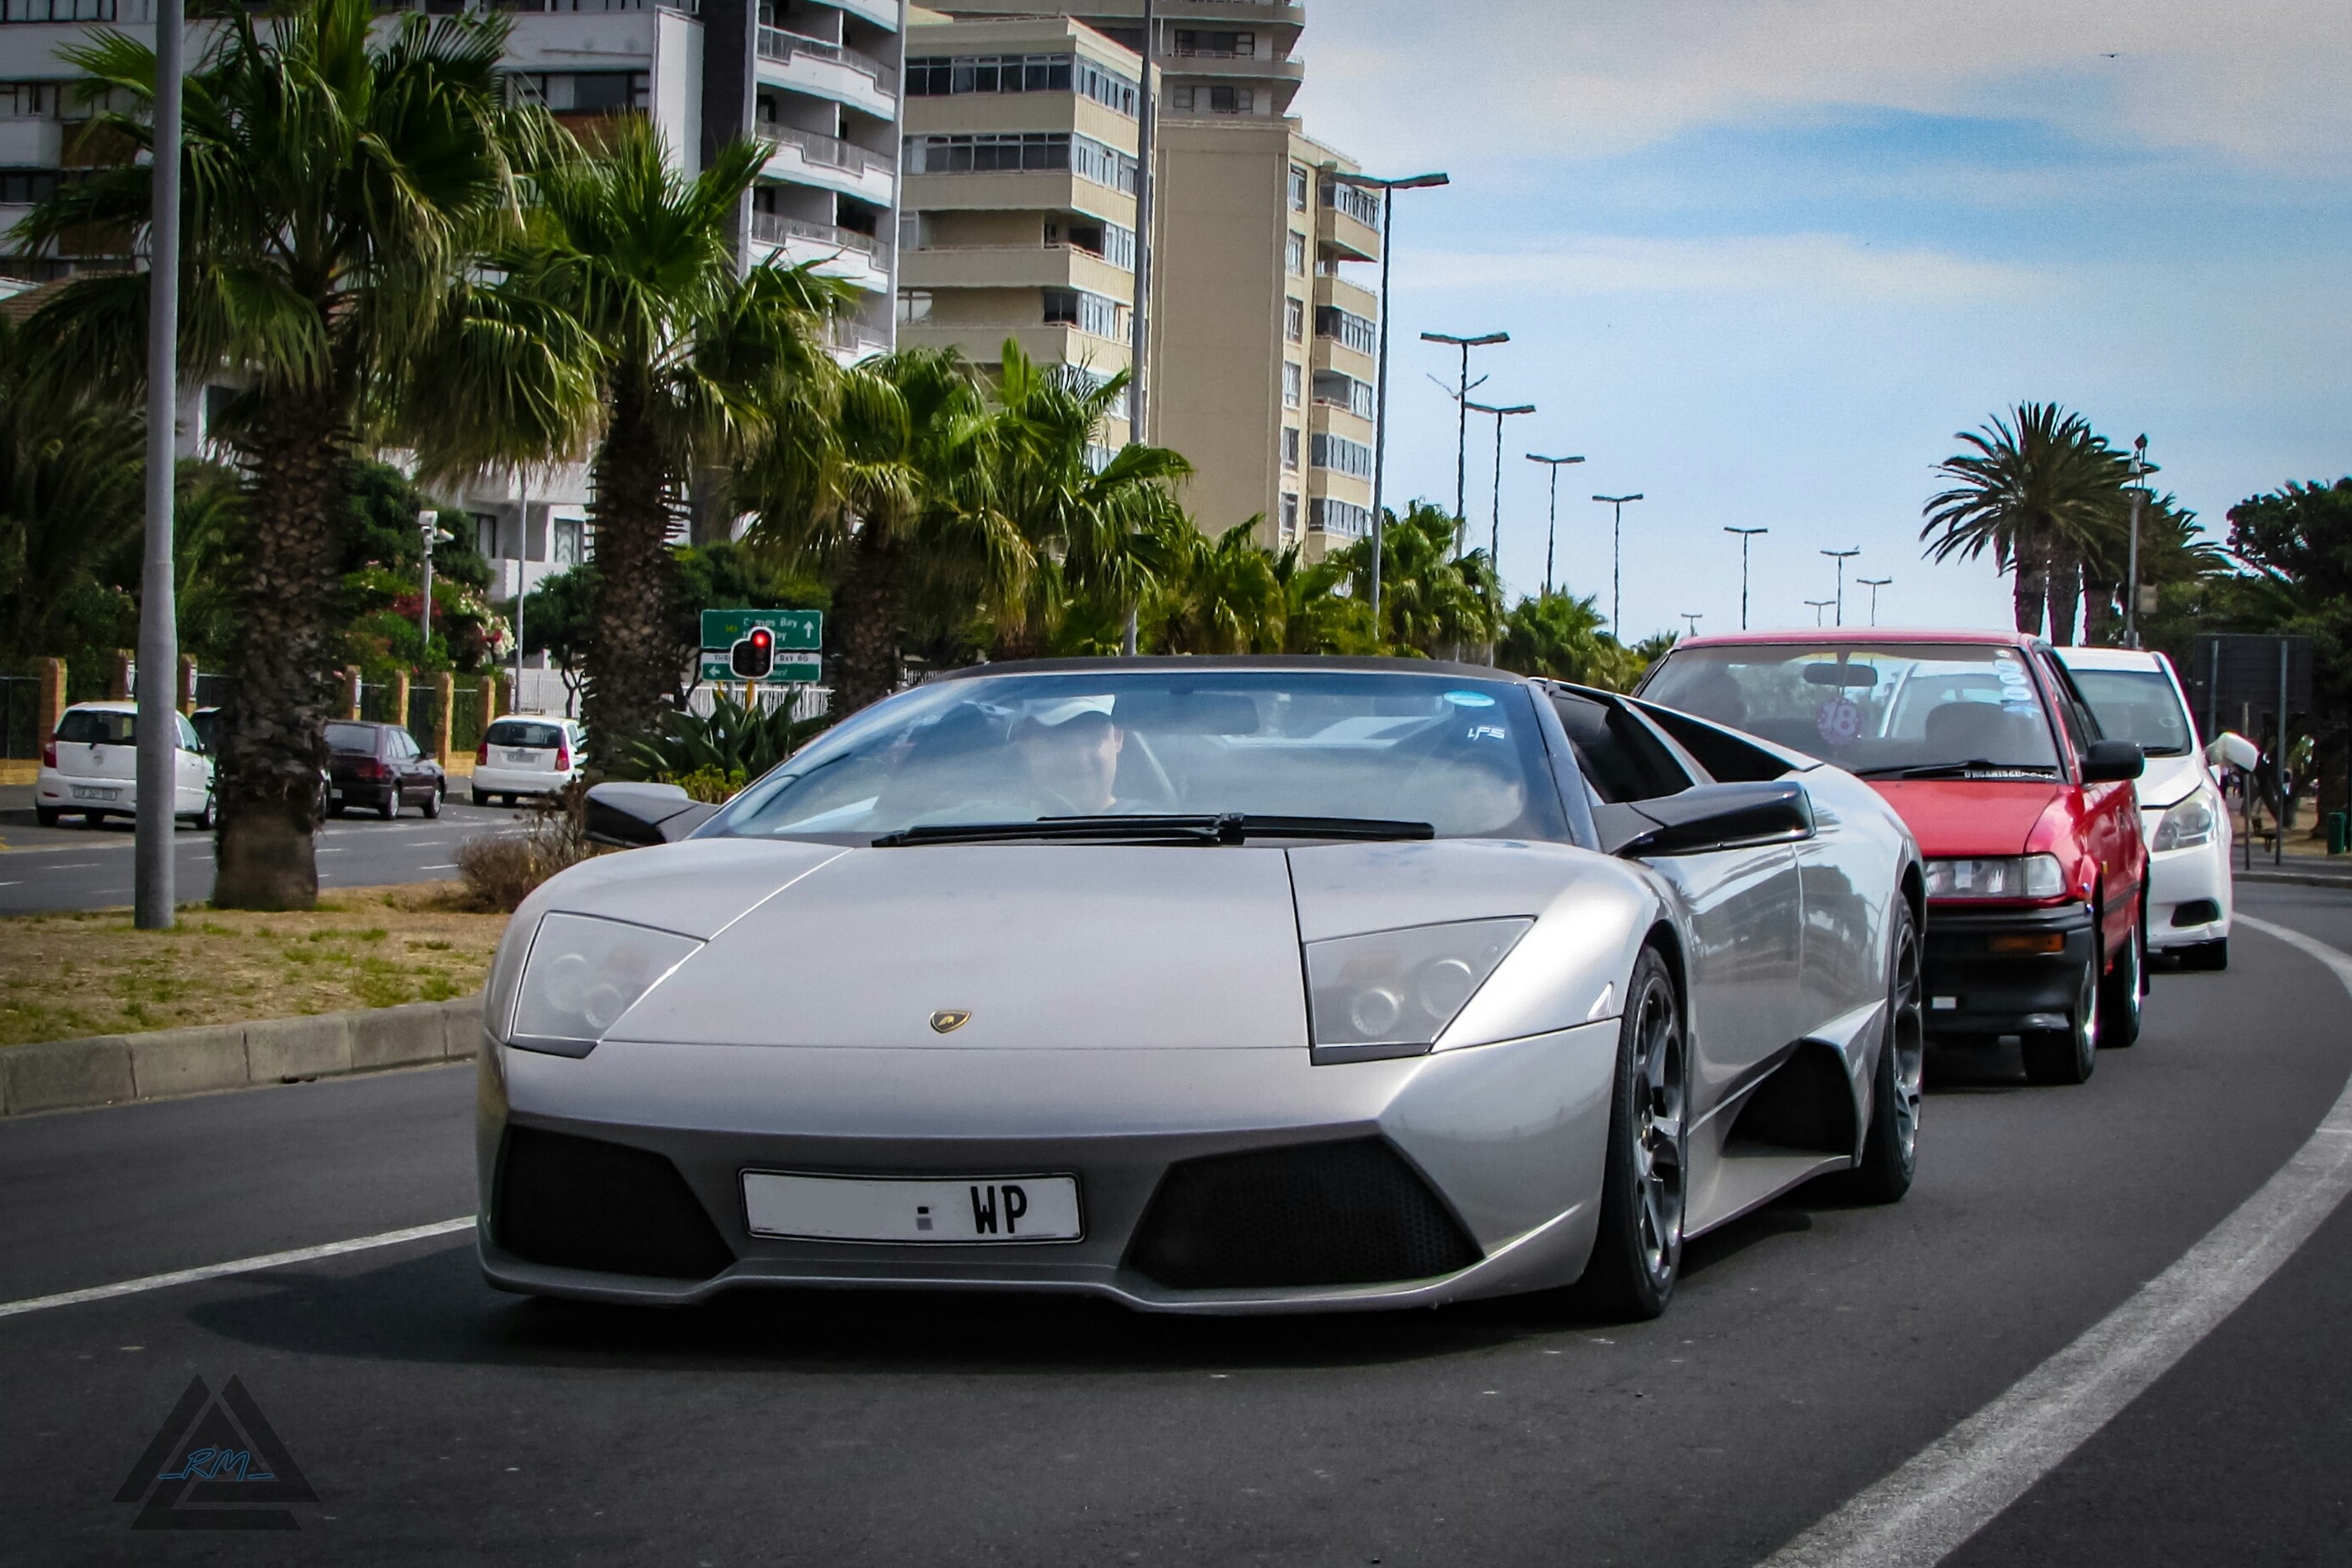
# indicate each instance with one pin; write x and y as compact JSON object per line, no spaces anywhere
{"x":1026,"y":190}
{"x":1015,"y":267}
{"x":1048,"y":343}
{"x":829,"y":70}
{"x":1352,"y":298}
{"x":1330,"y":354}
{"x":834,"y":251}
{"x":881,"y":13}
{"x":829,"y":164}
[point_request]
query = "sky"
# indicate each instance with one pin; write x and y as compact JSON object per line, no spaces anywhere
{"x":1760,"y":260}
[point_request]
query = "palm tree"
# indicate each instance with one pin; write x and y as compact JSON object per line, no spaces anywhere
{"x":1561,"y":636}
{"x":70,"y":477}
{"x":1432,"y":601}
{"x":693,"y":366}
{"x":1318,"y":616}
{"x":2040,"y":488}
{"x":337,"y":179}
{"x":1224,"y":595}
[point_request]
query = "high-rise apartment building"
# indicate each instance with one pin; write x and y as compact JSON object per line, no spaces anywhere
{"x":1216,"y":57}
{"x":1020,"y":192}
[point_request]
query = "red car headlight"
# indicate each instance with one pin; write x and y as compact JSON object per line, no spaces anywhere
{"x":2013,"y":877}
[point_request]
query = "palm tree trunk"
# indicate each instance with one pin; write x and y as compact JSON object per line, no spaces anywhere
{"x":631,"y":667}
{"x":868,"y":667}
{"x":2066,"y":591}
{"x":273,"y":737}
{"x":2031,"y":589}
{"x":2099,"y":618}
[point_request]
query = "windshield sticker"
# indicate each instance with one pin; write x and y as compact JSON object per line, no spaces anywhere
{"x":1838,"y":720}
{"x":1469,"y":700}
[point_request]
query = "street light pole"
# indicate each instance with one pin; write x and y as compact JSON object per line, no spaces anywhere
{"x":1746,"y":535}
{"x":1617,"y":558}
{"x":1840,"y":557}
{"x":1140,"y":324}
{"x":157,"y":727}
{"x":2131,"y":592}
{"x":1495,"y":538}
{"x":1874,"y":585}
{"x":1388,"y":189}
{"x":427,"y":529}
{"x":1819,"y":605}
{"x":1551,"y":530}
{"x":1461,"y":422}
{"x":1692,"y":619}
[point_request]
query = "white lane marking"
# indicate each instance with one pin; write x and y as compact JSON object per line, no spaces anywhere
{"x":451,"y":866}
{"x":1961,"y":1482}
{"x":241,"y":1266}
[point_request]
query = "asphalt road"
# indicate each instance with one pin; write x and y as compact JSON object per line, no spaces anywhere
{"x":73,"y":867}
{"x":1813,"y":1349}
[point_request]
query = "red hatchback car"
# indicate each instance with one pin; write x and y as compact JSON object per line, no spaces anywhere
{"x":2037,"y":874}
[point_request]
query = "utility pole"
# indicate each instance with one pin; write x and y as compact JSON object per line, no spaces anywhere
{"x":523,"y":573}
{"x":1745,"y":536}
{"x":2131,"y":591}
{"x":1461,"y":422}
{"x":1552,"y":530}
{"x":1495,"y":537}
{"x":425,"y":527}
{"x":157,"y":726}
{"x":1819,"y":605}
{"x":1692,"y":619}
{"x":1388,"y":189}
{"x":1617,"y":557}
{"x":1842,"y":557}
{"x":1874,"y":585}
{"x":1140,"y":322}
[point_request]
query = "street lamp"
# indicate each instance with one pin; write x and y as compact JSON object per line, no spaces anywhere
{"x":1617,"y":555}
{"x":156,"y":743}
{"x":1874,"y":585}
{"x":1494,"y":539}
{"x":1842,"y":557}
{"x":1819,"y":605}
{"x":1388,"y":189}
{"x":1552,"y":530}
{"x":427,"y":529}
{"x":2140,"y":490}
{"x":1746,"y":535}
{"x":1462,"y":421}
{"x":1693,"y":619}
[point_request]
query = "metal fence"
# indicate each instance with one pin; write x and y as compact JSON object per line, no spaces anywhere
{"x":808,"y":701}
{"x":20,"y":717}
{"x":376,"y":702}
{"x":212,"y":689}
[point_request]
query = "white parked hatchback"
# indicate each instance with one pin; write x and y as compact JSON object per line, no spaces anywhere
{"x":527,"y":753}
{"x":91,"y":768}
{"x":2136,"y":696}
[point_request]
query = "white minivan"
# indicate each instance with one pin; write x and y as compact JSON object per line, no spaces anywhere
{"x":527,"y":753}
{"x":90,"y":769}
{"x":2136,"y":696}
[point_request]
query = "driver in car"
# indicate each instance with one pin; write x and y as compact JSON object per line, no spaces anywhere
{"x":1074,"y":764}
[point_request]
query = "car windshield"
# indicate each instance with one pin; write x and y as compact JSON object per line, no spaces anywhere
{"x":352,"y":737}
{"x":517,"y":732}
{"x":1881,"y":709}
{"x":1462,"y":755}
{"x":2136,"y":705}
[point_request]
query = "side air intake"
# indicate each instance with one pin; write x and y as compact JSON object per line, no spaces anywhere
{"x":581,"y":1203}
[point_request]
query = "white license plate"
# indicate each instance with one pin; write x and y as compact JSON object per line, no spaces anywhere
{"x":964,"y":1210}
{"x":522,"y":756}
{"x":334,"y":794}
{"x":90,"y":792}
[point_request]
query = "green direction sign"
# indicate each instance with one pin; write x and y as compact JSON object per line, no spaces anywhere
{"x":791,"y":669}
{"x":797,"y":631}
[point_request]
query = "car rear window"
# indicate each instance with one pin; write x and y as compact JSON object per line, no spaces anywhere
{"x":97,"y":727}
{"x":517,"y":732}
{"x":360,"y":738}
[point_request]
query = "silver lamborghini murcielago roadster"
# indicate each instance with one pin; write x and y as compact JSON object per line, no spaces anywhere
{"x":1206,"y":984}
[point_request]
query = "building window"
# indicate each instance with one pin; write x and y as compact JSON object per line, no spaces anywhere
{"x":1213,"y":100}
{"x":570,"y":535}
{"x":582,"y":92}
{"x":1348,"y":328}
{"x":1104,"y":241}
{"x":914,"y":304}
{"x":1342,"y":456}
{"x":940,"y":76}
{"x":1016,"y":151}
{"x":1336,"y":389}
{"x":1290,"y":447}
{"x":1294,"y":320}
{"x":1327,"y":515}
{"x":57,"y":11}
{"x":1296,"y":258}
{"x":1289,"y":515}
{"x":1354,"y":199}
{"x":1092,"y":379}
{"x":1087,"y":312}
{"x":28,"y":100}
{"x":1217,"y":45}
{"x":486,"y":536}
{"x":21,"y":187}
{"x":1293,"y":376}
{"x":1297,"y":188}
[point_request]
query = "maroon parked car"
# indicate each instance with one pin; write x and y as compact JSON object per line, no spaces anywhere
{"x":379,"y":767}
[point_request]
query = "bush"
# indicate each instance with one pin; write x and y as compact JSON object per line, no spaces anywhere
{"x":737,"y":742}
{"x":501,"y":871}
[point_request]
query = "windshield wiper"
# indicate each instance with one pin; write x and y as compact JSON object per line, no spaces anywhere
{"x":1956,"y":770}
{"x":1231,"y":827}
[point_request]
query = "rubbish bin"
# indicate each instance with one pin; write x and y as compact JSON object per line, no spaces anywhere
{"x":2339,"y":833}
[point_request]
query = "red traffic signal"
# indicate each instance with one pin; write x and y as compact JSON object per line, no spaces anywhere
{"x":754,"y":656}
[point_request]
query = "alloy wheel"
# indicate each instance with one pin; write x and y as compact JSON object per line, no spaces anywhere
{"x":1907,"y":1039}
{"x":1658,"y":1153}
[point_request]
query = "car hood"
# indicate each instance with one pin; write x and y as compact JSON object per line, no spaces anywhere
{"x":2168,"y":781}
{"x":1955,"y":818}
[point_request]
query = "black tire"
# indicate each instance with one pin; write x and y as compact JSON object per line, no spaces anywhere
{"x":391,"y":806}
{"x":2068,"y":1055}
{"x":2120,"y":992}
{"x":479,"y":797}
{"x":433,"y":803}
{"x":1638,"y":1252}
{"x":1890,"y":1143}
{"x":47,"y":816}
{"x":2205,"y":955}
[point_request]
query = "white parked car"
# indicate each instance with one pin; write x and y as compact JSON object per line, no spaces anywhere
{"x":527,"y":753}
{"x":92,"y":769}
{"x":2136,"y":696}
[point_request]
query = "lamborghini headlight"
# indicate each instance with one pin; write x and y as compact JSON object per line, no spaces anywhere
{"x":2014,"y":877}
{"x":2186,"y":824}
{"x":1396,"y":991}
{"x":583,"y":974}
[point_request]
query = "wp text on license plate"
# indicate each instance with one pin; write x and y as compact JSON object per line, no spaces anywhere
{"x":962,"y":1209}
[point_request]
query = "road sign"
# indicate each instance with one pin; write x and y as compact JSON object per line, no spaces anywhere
{"x":2235,"y":680}
{"x":791,"y":669}
{"x":797,"y":631}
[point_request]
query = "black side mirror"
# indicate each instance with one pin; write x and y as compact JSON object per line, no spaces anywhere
{"x":1719,"y":816}
{"x":631,"y":815}
{"x":2113,"y":761}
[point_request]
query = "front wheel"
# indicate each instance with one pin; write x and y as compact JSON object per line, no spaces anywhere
{"x":203,"y":821}
{"x":433,"y":803}
{"x":1890,"y":1144}
{"x":2206,"y":955}
{"x":47,"y":816}
{"x":2068,"y":1055}
{"x":2120,"y":992}
{"x":1639,"y":1249}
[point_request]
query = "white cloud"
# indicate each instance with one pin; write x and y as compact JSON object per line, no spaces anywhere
{"x":1824,"y":266}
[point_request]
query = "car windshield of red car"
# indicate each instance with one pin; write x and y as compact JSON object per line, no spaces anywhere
{"x":1871,"y":707}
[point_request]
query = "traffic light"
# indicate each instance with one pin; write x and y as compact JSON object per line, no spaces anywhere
{"x":755,"y":655}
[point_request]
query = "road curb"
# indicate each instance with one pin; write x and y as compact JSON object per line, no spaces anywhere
{"x":115,"y":1070}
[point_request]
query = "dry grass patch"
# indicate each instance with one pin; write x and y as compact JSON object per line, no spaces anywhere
{"x":67,"y":975}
